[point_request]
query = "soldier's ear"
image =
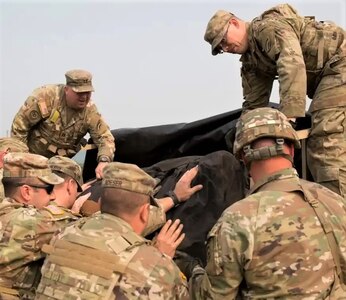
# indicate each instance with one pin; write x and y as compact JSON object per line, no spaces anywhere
{"x":71,"y":185}
{"x":144,"y":213}
{"x":234,"y":21}
{"x":25,"y":192}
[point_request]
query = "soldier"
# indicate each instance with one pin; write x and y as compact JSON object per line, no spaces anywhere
{"x":286,"y":240}
{"x":55,"y":118}
{"x":66,"y":193}
{"x":114,"y":261}
{"x":308,"y":58}
{"x":8,"y":145}
{"x":25,"y":223}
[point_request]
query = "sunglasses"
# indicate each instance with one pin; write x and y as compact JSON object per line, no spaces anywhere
{"x":49,"y":187}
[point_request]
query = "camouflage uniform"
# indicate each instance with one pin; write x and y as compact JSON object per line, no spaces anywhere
{"x":308,"y":58}
{"x":106,"y":258}
{"x":51,"y":128}
{"x":8,"y":144}
{"x":285,"y":240}
{"x":273,"y":240}
{"x":24,"y":229}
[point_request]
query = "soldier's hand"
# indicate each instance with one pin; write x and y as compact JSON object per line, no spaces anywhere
{"x":88,"y":184}
{"x":170,"y":237}
{"x":99,"y":169}
{"x":183,"y":188}
{"x":79,"y":202}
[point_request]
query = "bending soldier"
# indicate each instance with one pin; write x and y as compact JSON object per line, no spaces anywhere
{"x":308,"y":58}
{"x":66,"y":193}
{"x":286,"y":239}
{"x":55,"y":118}
{"x":114,"y":260}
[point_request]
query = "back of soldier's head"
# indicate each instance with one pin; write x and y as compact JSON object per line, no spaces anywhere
{"x":125,"y":187}
{"x":67,"y":168}
{"x":263,"y":123}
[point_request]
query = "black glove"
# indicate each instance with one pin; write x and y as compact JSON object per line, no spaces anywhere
{"x":186,"y":263}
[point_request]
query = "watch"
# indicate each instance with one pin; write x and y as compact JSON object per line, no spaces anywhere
{"x":104,"y":159}
{"x":174,"y":197}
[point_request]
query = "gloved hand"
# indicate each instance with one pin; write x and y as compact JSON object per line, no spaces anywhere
{"x":186,"y":263}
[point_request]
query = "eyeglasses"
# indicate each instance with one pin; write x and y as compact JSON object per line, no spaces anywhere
{"x":223,"y":42}
{"x":49,"y":188}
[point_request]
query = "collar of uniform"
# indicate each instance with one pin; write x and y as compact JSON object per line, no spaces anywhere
{"x":9,"y":202}
{"x":125,"y":227}
{"x":115,"y":219}
{"x":286,"y":180}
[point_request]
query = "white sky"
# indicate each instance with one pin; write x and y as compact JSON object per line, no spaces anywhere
{"x":150,"y":63}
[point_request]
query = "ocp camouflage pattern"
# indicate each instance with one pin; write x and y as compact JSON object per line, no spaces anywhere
{"x":271,"y":245}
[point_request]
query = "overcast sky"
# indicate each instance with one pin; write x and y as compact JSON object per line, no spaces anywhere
{"x":150,"y":63}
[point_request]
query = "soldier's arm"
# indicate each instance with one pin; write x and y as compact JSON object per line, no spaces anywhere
{"x":256,"y":88}
{"x":27,"y":116}
{"x":283,"y":46}
{"x":183,"y":192}
{"x":35,"y":108}
{"x":100,"y":134}
{"x":229,"y":247}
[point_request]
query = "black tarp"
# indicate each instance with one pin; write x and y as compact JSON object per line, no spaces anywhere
{"x":167,"y":151}
{"x":145,"y":146}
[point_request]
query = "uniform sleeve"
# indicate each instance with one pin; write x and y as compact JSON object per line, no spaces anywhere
{"x":27,"y":116}
{"x":32,"y":231}
{"x":230,"y":244}
{"x":256,"y":88}
{"x":282,"y":45}
{"x":100,"y":134}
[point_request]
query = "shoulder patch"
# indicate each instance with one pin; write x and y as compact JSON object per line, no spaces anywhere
{"x":54,"y":210}
{"x":43,"y":108}
{"x":34,"y":115}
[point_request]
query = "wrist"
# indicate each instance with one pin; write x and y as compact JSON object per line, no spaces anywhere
{"x":104,"y":159}
{"x":174,"y":198}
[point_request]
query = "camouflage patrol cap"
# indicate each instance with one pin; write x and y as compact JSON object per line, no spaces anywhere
{"x":28,"y":165}
{"x":12,"y":145}
{"x":128,"y":177}
{"x":216,"y":29}
{"x":260,"y":123}
{"x":79,"y":80}
{"x":67,"y":166}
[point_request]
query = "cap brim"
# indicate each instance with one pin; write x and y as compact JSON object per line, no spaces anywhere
{"x":79,"y":189}
{"x":153,"y":202}
{"x":51,"y":179}
{"x":83,"y":89}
